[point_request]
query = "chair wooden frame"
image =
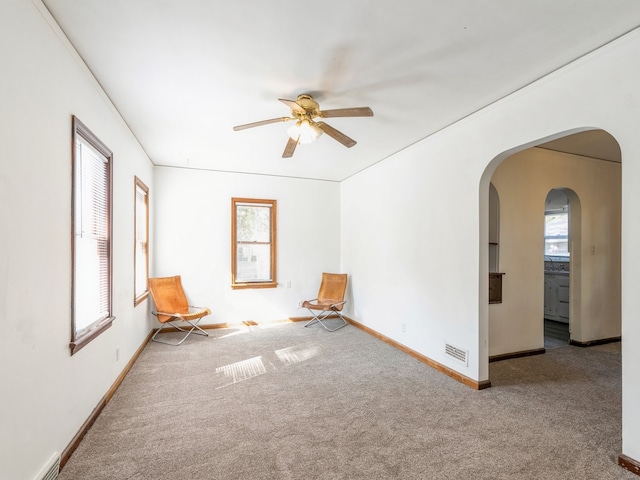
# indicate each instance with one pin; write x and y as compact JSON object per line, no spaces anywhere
{"x":329,"y":302}
{"x":171,"y":306}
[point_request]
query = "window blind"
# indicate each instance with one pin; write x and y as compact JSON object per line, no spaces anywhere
{"x":92,"y":249}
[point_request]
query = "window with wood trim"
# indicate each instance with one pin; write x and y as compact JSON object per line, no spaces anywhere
{"x":253,"y":243}
{"x":556,"y":233}
{"x":91,"y":239}
{"x":141,"y":247}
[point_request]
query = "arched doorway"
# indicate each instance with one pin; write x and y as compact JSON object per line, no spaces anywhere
{"x":523,"y":180}
{"x":561,"y":257}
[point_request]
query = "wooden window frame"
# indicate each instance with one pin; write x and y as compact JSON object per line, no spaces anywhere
{"x":140,"y":185}
{"x":80,"y":133}
{"x":272,"y":283}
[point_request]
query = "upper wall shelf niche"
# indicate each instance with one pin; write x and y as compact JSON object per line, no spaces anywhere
{"x":495,"y":277}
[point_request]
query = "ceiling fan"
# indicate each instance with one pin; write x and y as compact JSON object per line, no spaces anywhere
{"x":305,"y":110}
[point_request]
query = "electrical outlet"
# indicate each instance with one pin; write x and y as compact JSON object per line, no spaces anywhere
{"x":117,"y":354}
{"x":403,"y":327}
{"x":299,"y":303}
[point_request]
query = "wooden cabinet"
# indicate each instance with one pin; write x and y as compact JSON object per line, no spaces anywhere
{"x":495,"y":287}
{"x":556,"y":297}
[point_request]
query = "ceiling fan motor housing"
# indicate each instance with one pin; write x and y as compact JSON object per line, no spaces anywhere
{"x":310,"y":106}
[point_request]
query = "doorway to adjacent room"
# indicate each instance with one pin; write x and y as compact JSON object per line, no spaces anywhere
{"x":557,"y":268}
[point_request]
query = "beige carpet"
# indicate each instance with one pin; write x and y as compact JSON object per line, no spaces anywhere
{"x":287,"y":402}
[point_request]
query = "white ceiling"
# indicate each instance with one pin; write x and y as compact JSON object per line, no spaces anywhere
{"x":592,"y":143}
{"x":183,"y":72}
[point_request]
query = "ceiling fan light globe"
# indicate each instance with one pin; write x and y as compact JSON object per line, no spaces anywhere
{"x":294,"y":131}
{"x":305,"y":131}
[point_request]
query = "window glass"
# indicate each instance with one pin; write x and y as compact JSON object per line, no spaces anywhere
{"x":254,"y":243}
{"x":141,"y":250}
{"x":556,"y":233}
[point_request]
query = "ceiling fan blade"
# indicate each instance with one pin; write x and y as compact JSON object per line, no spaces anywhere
{"x":292,"y":105}
{"x":262,"y":122}
{"x":347,"y":112}
{"x":290,"y":148}
{"x":336,"y":135}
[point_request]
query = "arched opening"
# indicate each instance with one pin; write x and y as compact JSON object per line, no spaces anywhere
{"x":561,"y":257}
{"x":583,"y":166}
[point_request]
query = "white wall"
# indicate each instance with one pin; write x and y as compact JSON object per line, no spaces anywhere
{"x":46,"y":393}
{"x":414,"y":227}
{"x":523,"y":182}
{"x":409,"y":241}
{"x":193,"y":232}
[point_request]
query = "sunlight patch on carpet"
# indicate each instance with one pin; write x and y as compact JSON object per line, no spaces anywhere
{"x":291,"y":355}
{"x":241,"y":371}
{"x":239,"y":331}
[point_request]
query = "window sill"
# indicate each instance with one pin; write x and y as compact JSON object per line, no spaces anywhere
{"x":138,"y":300}
{"x":80,"y":341}
{"x":239,"y":286}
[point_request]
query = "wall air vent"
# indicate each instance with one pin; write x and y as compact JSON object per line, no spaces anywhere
{"x":457,"y":353}
{"x":50,"y":472}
